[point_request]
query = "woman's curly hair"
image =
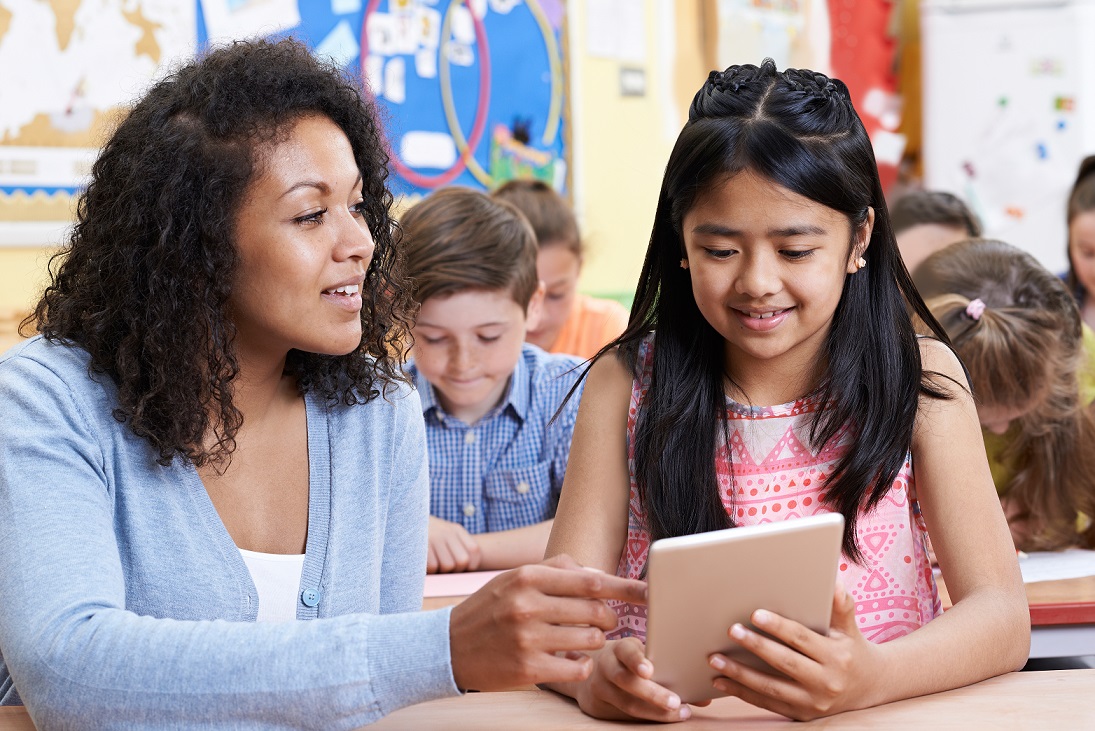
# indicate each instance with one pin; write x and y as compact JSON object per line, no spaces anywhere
{"x":145,"y":282}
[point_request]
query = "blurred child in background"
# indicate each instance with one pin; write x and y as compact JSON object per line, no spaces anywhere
{"x":925,"y":221}
{"x":571,"y":323}
{"x":1081,"y":240}
{"x":1032,"y":365}
{"x":496,"y":456}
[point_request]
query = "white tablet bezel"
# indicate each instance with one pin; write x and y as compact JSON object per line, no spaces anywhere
{"x":700,"y":585}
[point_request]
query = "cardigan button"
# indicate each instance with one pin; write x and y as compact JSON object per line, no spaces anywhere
{"x":311,"y":597}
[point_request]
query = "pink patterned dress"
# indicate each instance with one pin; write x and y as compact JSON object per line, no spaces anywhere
{"x":773,"y":475}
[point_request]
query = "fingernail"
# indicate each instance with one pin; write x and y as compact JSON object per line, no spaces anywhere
{"x":761,"y":617}
{"x":686,"y":713}
{"x":737,"y":632}
{"x":593,"y":568}
{"x":673,"y":703}
{"x":717,"y":662}
{"x":646,"y":668}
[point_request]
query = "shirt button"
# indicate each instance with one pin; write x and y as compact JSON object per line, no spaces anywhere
{"x":469,"y":509}
{"x":469,"y":437}
{"x":522,"y":487}
{"x":311,"y":597}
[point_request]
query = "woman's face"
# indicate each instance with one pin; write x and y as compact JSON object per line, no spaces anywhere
{"x":1081,"y":249}
{"x":558,"y":268}
{"x":303,"y":247}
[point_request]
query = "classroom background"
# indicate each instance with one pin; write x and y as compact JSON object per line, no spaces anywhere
{"x":979,"y":98}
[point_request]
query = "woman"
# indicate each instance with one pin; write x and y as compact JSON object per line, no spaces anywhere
{"x":213,"y":429}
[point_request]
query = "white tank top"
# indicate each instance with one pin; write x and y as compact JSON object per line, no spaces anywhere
{"x":277,"y":581}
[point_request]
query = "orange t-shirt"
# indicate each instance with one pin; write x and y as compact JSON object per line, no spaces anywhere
{"x":592,"y":324}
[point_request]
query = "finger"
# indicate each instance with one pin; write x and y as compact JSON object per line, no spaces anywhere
{"x":471,"y":547}
{"x":792,"y":663}
{"x":445,"y":561}
{"x":639,"y":698}
{"x":431,"y":560}
{"x":572,"y":582}
{"x":572,"y":667}
{"x":760,"y":700}
{"x":459,"y":555}
{"x":796,"y":636}
{"x":566,"y":638}
{"x":632,"y":654}
{"x":843,"y":618}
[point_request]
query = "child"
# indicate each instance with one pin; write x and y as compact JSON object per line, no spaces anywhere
{"x":496,"y":456}
{"x":212,"y":470}
{"x":770,"y":370}
{"x":924,"y":221}
{"x":1081,"y":239}
{"x":571,"y":323}
{"x":1032,"y":365}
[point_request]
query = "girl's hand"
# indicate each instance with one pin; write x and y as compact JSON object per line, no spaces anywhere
{"x":620,"y":687}
{"x":1018,"y":521}
{"x":825,"y":675}
{"x":452,"y":548}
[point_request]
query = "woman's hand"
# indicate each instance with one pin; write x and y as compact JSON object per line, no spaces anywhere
{"x":452,"y":548}
{"x":620,"y":687}
{"x":824,"y":675}
{"x":535,"y":624}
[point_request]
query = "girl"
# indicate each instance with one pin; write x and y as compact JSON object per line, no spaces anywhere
{"x":572,"y":323}
{"x":771,"y":370}
{"x":212,"y":437}
{"x":1032,"y":365}
{"x":1081,"y":239}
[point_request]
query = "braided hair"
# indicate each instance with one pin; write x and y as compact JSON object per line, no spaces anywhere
{"x":798,"y":129}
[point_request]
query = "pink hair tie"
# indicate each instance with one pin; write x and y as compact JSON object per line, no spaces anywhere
{"x":975,"y":309}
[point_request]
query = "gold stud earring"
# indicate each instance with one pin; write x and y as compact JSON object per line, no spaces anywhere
{"x":684,"y":263}
{"x":860,"y":263}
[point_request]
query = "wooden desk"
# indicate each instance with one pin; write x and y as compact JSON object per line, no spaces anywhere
{"x":1013,"y":702}
{"x":1062,"y":616}
{"x":1056,"y":699}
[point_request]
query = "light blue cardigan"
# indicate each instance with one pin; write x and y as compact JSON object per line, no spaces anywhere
{"x":124,"y":602}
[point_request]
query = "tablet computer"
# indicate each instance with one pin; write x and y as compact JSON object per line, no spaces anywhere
{"x":700,"y":585}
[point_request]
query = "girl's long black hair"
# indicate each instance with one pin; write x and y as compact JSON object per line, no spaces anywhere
{"x":798,"y":129}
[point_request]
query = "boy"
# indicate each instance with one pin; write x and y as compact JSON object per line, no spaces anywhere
{"x":496,"y":457}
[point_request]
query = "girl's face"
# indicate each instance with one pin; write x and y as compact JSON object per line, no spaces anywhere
{"x":767,"y":268}
{"x":1081,"y":249}
{"x":558,"y":268}
{"x":303,"y":247}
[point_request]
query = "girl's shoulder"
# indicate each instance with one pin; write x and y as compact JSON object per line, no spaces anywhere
{"x":941,"y":365}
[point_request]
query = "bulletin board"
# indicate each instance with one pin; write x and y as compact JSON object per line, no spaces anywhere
{"x":472,"y":92}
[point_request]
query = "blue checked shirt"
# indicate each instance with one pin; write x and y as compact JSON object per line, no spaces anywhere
{"x":507,"y":470}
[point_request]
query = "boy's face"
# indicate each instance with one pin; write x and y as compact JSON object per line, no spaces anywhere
{"x":467,"y":345}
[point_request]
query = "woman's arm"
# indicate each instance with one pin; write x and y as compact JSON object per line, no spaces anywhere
{"x":986,"y":633}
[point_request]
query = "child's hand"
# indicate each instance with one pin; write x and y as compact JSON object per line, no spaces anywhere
{"x":1018,"y":521}
{"x":620,"y":687}
{"x":825,"y":675}
{"x":452,"y":548}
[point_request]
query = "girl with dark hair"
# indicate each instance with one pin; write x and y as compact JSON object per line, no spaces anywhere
{"x":1081,"y":240}
{"x":212,"y":437}
{"x":1032,"y":365}
{"x":770,"y":370}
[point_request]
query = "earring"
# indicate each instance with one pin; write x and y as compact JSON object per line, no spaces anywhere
{"x":860,"y":263}
{"x":684,"y":263}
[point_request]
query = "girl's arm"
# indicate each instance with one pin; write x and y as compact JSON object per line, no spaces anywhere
{"x":507,"y":549}
{"x":591,"y":526}
{"x":986,"y":633}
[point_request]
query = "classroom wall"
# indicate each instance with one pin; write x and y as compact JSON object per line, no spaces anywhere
{"x":620,"y":145}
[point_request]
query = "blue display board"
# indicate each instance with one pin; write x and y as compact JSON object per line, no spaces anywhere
{"x":472,"y":91}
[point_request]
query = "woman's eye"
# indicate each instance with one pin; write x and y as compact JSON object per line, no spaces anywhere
{"x":359,"y":209}
{"x":316,"y":217}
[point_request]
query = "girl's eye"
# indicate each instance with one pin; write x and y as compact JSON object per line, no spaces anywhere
{"x":489,"y":338}
{"x":796,"y":254}
{"x":316,"y":217}
{"x":720,"y":253}
{"x":431,"y":341}
{"x":555,"y":296}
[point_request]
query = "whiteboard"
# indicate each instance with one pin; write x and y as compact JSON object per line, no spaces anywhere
{"x":1006,"y":117}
